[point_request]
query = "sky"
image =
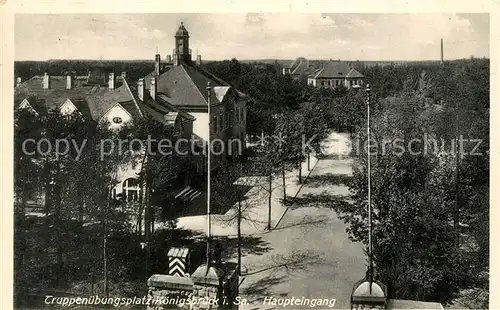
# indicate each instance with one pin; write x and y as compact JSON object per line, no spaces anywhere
{"x":253,"y":36}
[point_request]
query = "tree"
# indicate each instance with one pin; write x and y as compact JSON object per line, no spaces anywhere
{"x":268,"y":164}
{"x":409,"y":209}
{"x":232,"y":189}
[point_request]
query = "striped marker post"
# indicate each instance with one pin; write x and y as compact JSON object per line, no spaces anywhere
{"x":178,"y":262}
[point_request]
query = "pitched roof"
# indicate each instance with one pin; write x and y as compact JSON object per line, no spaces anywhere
{"x":35,"y":103}
{"x":82,"y":106}
{"x":220,"y":92}
{"x":92,"y":100}
{"x":182,"y":31}
{"x":334,"y":69}
{"x":354,"y":74}
{"x":296,"y":62}
{"x":186,"y":85}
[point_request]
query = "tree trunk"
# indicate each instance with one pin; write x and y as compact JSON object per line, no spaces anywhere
{"x":147,"y":217}
{"x":22,"y":234}
{"x":58,"y":232}
{"x":239,"y":238}
{"x":105,"y":244}
{"x":284,"y":182}
{"x":300,"y":171}
{"x":308,"y":161}
{"x":105,"y":258}
{"x":269,"y":201}
{"x":456,"y":215}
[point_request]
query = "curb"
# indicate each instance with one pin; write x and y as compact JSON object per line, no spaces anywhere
{"x":298,"y":191}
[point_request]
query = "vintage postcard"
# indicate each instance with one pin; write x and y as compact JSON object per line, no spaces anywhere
{"x":294,"y":157}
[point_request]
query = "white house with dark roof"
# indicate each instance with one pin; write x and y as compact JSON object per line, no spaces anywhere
{"x":336,"y":74}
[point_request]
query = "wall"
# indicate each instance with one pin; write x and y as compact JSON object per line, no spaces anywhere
{"x":116,"y":111}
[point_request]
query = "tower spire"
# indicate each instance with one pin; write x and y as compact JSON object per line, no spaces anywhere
{"x":182,"y":53}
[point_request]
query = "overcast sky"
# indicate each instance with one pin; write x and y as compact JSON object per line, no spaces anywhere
{"x":253,"y":36}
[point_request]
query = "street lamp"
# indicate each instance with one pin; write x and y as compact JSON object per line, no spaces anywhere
{"x":209,"y":88}
{"x":366,"y":293}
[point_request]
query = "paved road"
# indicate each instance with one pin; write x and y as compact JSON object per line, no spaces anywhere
{"x":311,"y":239}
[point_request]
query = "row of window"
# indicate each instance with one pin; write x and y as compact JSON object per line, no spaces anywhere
{"x":222,"y":121}
{"x":340,"y":82}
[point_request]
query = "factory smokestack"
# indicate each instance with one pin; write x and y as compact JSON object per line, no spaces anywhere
{"x":442,"y":52}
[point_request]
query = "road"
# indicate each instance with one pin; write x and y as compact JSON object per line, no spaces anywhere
{"x":312,"y":241}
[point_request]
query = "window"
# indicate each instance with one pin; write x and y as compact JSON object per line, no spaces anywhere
{"x":131,"y":189}
{"x":117,"y":120}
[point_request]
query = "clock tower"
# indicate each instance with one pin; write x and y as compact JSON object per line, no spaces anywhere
{"x":182,"y":53}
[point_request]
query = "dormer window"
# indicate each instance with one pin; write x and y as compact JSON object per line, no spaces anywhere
{"x":117,"y":120}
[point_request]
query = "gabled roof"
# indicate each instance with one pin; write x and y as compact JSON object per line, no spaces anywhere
{"x":220,"y":92}
{"x":354,"y":74}
{"x":91,"y":100}
{"x":37,"y":104}
{"x":131,"y":108}
{"x":296,"y":62}
{"x":186,"y":85}
{"x":334,"y":69}
{"x":82,"y":106}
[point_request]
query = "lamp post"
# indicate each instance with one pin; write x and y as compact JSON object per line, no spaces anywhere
{"x":367,"y":293}
{"x":370,"y":248}
{"x":209,"y":88}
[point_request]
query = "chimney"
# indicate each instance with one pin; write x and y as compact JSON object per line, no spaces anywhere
{"x":69,"y":82}
{"x":157,"y":64}
{"x":169,"y":59}
{"x":124,"y":75}
{"x":140,"y":89}
{"x":46,"y":81}
{"x":18,"y":81}
{"x":111,"y":81}
{"x":152,"y":89}
{"x":198,"y":60}
{"x":442,"y":52}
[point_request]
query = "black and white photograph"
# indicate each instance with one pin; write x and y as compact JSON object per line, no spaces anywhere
{"x":250,"y":160}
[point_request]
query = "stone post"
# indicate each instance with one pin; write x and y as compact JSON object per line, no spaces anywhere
{"x":207,"y":287}
{"x":168,"y":292}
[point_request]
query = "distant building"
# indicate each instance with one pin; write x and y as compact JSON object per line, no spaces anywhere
{"x":336,"y":74}
{"x":333,"y":74}
{"x":299,"y":69}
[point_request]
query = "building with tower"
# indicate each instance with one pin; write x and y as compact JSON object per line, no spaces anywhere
{"x":181,"y":81}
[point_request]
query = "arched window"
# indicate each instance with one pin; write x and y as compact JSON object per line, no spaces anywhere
{"x":131,"y":189}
